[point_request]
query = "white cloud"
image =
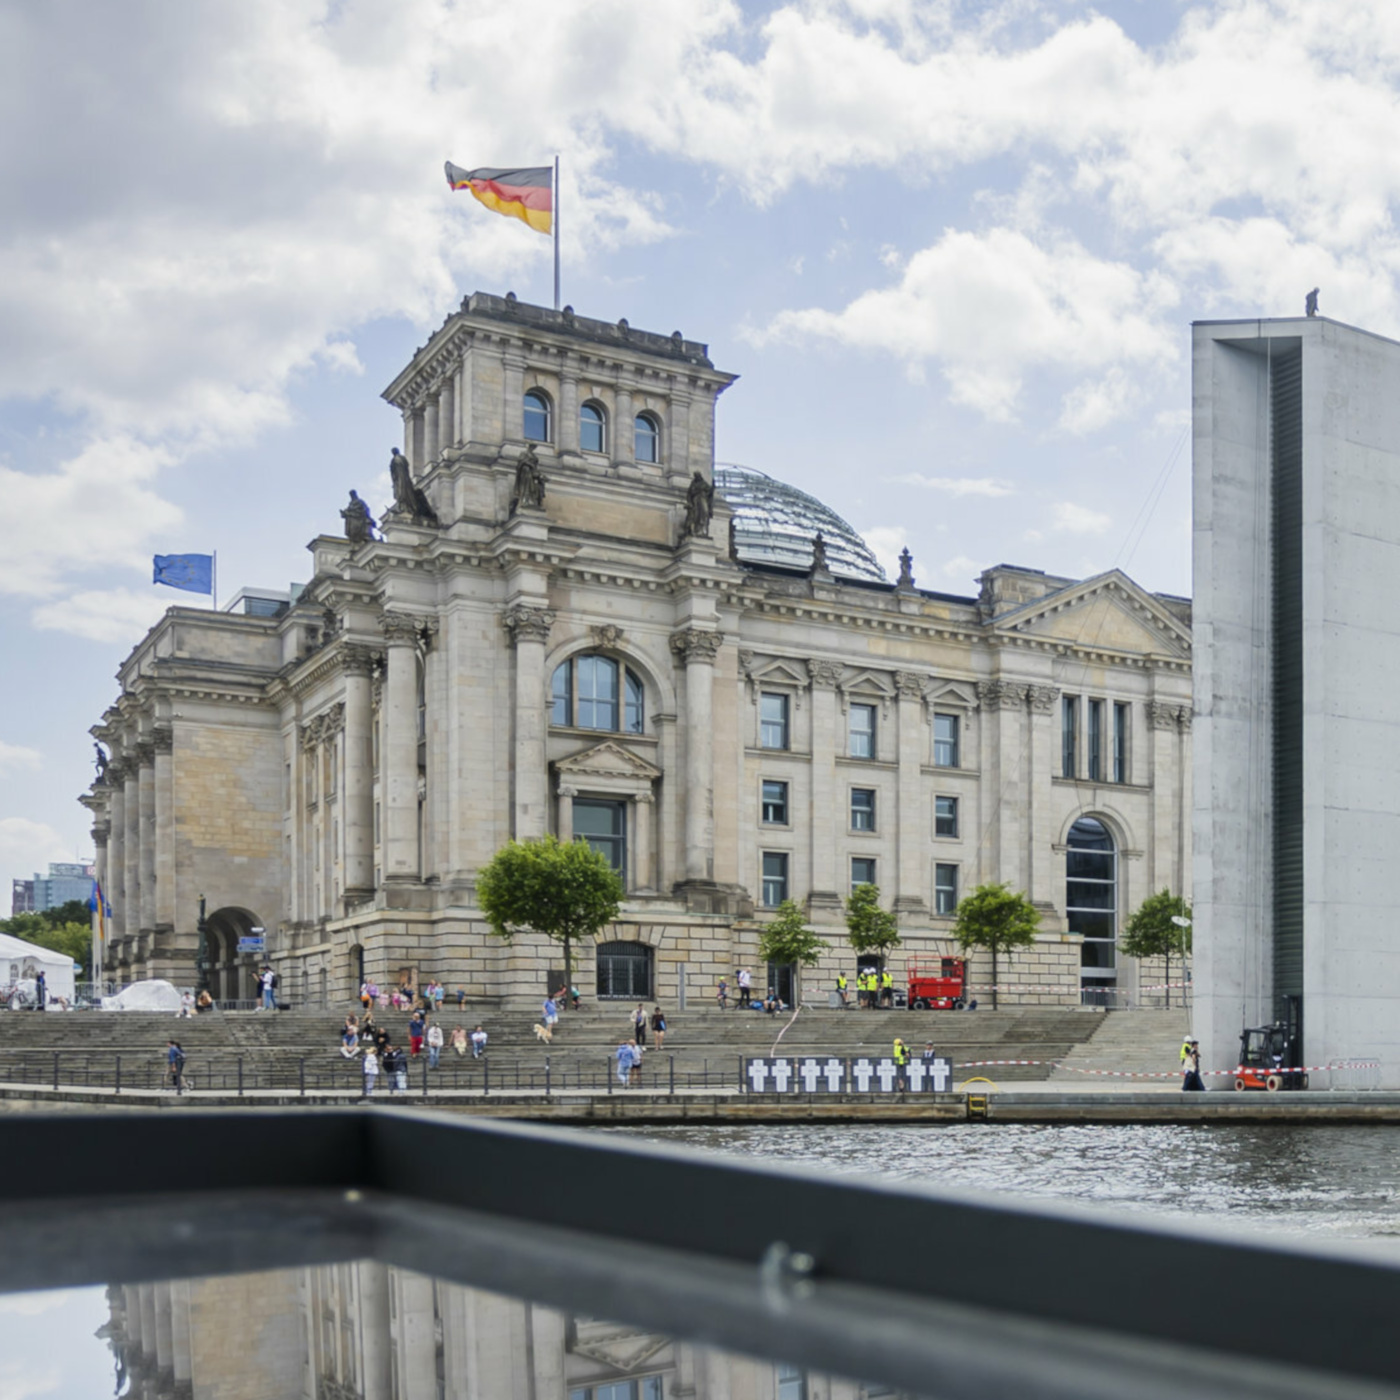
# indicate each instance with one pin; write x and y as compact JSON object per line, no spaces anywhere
{"x":36,"y":1304}
{"x":14,"y":756}
{"x":958,"y":485}
{"x":29,"y":845}
{"x":1079,"y":520}
{"x":885,"y":543}
{"x":119,"y":615}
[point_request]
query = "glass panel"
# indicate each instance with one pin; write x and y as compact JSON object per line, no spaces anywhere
{"x":1085,"y":894}
{"x":1096,"y":740}
{"x":775,"y":869}
{"x":1090,"y":833}
{"x":773,"y":721}
{"x":1069,"y":730}
{"x":863,"y":809}
{"x":862,"y":871}
{"x":603,"y":826}
{"x":536,"y":417}
{"x":945,"y":816}
{"x":945,"y":740}
{"x":1089,"y":865}
{"x":945,"y":889}
{"x":775,"y":799}
{"x":635,"y":714}
{"x":1097,"y":952}
{"x":597,"y":693}
{"x":590,"y":428}
{"x":1120,"y":743}
{"x":862,"y":731}
{"x":648,"y":439}
{"x":1090,"y":924}
{"x":559,"y":698}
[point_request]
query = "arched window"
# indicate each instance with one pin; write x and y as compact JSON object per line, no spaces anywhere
{"x":624,"y":970}
{"x":648,"y":438}
{"x":595,"y":692}
{"x":1091,"y":899}
{"x":536,"y":417}
{"x":592,"y":428}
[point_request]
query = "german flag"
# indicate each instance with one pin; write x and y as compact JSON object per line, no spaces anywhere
{"x":521,"y":194}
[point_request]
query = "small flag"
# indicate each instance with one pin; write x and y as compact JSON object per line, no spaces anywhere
{"x":101,"y":911}
{"x":520,"y":194}
{"x":192,"y":572}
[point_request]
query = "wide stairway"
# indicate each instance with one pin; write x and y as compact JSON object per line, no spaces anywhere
{"x":1139,"y":1042}
{"x":703,"y":1046}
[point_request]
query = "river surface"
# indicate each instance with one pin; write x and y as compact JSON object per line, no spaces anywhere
{"x":1326,"y":1182}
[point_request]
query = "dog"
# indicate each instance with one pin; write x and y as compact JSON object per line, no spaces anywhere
{"x":544,"y":1033}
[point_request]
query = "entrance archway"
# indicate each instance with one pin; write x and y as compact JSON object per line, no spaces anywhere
{"x":231,"y":973}
{"x":624,"y":971}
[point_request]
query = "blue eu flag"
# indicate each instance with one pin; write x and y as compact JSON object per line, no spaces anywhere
{"x":192,"y":572}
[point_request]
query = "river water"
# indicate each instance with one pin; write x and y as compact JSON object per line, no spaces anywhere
{"x":1326,"y":1182}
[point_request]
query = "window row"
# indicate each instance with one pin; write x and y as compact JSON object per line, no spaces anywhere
{"x":592,"y":427}
{"x":775,"y":730}
{"x":1106,"y":750}
{"x":776,"y":885}
{"x":774,"y":808}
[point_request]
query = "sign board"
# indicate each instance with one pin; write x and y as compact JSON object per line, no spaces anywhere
{"x":251,"y":945}
{"x":834,"y":1074}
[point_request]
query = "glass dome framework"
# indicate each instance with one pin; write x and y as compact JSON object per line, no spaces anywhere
{"x":775,"y":524}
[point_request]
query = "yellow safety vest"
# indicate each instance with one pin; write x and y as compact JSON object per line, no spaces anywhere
{"x":841,"y":982}
{"x":887,"y":980}
{"x":901,"y":1053}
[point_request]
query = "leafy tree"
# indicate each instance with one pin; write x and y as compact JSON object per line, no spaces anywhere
{"x":1150,"y":933}
{"x":869,"y":928}
{"x":788,"y":939}
{"x":563,"y":889}
{"x":998,"y":920}
{"x":70,"y":937}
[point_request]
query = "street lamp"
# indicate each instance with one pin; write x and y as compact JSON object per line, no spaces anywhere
{"x":201,"y":957}
{"x":1183,"y":923}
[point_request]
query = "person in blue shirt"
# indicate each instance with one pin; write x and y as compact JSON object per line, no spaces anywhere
{"x":551,"y":1014}
{"x":626,"y":1057}
{"x":175,"y":1066}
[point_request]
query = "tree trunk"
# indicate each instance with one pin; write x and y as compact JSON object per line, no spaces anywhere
{"x":1168,"y":979}
{"x":995,"y":978}
{"x":568,"y":968}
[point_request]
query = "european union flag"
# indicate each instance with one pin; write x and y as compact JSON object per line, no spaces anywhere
{"x":192,"y":572}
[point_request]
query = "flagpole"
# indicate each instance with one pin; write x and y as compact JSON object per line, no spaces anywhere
{"x":556,"y":233}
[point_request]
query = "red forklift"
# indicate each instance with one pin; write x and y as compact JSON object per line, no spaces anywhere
{"x":1268,"y":1056}
{"x":936,"y":984}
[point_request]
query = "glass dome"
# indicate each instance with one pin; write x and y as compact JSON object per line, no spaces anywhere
{"x":775,"y":523}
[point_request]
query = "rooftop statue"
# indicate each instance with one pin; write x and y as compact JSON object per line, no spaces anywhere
{"x":699,"y":508}
{"x":819,"y":563}
{"x":906,"y":570}
{"x":408,"y":499}
{"x":529,"y":483}
{"x":101,"y":764}
{"x":1310,"y":302}
{"x":359,"y":523}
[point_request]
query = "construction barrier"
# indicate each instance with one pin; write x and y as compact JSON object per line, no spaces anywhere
{"x":832,"y":1074}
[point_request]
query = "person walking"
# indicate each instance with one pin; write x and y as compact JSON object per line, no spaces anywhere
{"x":722,"y":994}
{"x":745,"y":987}
{"x":624,"y":1062}
{"x":41,"y":991}
{"x":417,"y":1025}
{"x":175,"y":1065}
{"x":434,"y":1039}
{"x":900,"y":1054}
{"x":639,"y":1024}
{"x":636,"y":1073}
{"x":658,"y":1027}
{"x":1191,"y":1067}
{"x":370,"y":1068}
{"x":550,"y":1012}
{"x":841,"y":985}
{"x":269,"y":989}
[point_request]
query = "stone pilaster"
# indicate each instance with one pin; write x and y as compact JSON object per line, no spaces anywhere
{"x":828,"y":812}
{"x":914,"y":824}
{"x":166,"y":889}
{"x":146,"y":797}
{"x":116,"y":849}
{"x":357,"y":820}
{"x":400,"y":747}
{"x":431,"y":446}
{"x":1003,"y":705}
{"x":131,"y":851}
{"x":697,"y":648}
{"x":1040,"y":816}
{"x":529,"y":630}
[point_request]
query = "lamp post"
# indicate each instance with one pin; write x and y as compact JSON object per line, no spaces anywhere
{"x":201,"y":957}
{"x":1183,"y":923}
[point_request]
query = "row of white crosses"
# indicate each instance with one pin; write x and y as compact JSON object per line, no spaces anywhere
{"x":815,"y":1074}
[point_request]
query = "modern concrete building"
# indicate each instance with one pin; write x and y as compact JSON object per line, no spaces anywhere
{"x":1297,"y":683}
{"x":735,"y":710}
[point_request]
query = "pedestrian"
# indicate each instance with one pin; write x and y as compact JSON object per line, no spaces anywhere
{"x":478,"y":1040}
{"x":550,"y":1011}
{"x":416,"y":1027}
{"x":269,"y":989}
{"x":366,"y":996}
{"x":1191,"y":1065}
{"x":624,"y":1062}
{"x":639,"y":1024}
{"x":175,"y":1065}
{"x":841,"y":986}
{"x":887,"y":989}
{"x":41,"y":991}
{"x":573,"y":998}
{"x":370,"y":1068}
{"x":658,"y":1027}
{"x":396,"y":1067}
{"x":900,"y":1055}
{"x":745,"y":987}
{"x":929,"y":1055}
{"x":461,"y":997}
{"x":636,"y":1071}
{"x":434,"y":1045}
{"x":349,"y":1043}
{"x":722,"y":994}
{"x":1185,"y":1051}
{"x":459,"y":1040}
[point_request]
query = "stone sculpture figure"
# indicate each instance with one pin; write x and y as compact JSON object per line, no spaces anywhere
{"x":819,"y":564}
{"x":699,"y":508}
{"x":529,"y":483}
{"x":408,"y":499}
{"x":359,"y":523}
{"x":1310,"y":303}
{"x":734,"y":538}
{"x":101,"y":764}
{"x":906,"y":569}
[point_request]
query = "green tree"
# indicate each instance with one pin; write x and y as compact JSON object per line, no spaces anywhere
{"x":70,"y":937}
{"x":563,"y":889}
{"x":788,"y":940}
{"x":1150,"y":932}
{"x":869,"y":928}
{"x":998,"y":920}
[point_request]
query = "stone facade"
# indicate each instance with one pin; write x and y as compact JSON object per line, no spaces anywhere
{"x":596,"y":665}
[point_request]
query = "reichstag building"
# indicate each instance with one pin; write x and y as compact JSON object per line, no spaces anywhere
{"x":574,"y":620}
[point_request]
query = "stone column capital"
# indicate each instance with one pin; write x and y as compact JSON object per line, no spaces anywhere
{"x":527,"y":624}
{"x":399,"y":629}
{"x":1043,"y":697}
{"x":1161,"y":716}
{"x":1002,"y":695}
{"x":695,"y":645}
{"x":357,"y":660}
{"x":163,"y":739}
{"x":145,"y":753}
{"x":909,"y":685}
{"x":824,"y":675}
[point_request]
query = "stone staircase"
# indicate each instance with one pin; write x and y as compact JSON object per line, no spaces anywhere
{"x":1142,"y":1042}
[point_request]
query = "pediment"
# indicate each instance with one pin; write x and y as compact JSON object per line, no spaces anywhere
{"x":608,"y":760}
{"x":775,"y":670}
{"x":868,"y":683}
{"x":621,"y":1348}
{"x":953,"y":693}
{"x":1107,"y":613}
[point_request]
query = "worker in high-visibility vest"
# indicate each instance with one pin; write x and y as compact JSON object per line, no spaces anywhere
{"x":887,"y":988}
{"x":841,"y":987}
{"x":901,"y":1062}
{"x":863,"y":981}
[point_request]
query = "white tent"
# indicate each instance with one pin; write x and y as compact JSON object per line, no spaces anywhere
{"x":154,"y":995}
{"x":22,"y":962}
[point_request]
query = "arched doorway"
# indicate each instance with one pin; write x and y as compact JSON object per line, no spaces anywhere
{"x":1091,"y":902}
{"x":624,"y":971}
{"x":231,"y":973}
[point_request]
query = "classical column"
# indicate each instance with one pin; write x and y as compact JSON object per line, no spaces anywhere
{"x":447,"y":413}
{"x":1004,"y":707}
{"x":131,"y":918}
{"x":698,"y":648}
{"x":513,"y":388}
{"x":400,"y":749}
{"x":529,"y":628}
{"x":163,"y":742}
{"x":180,"y":1338}
{"x":116,"y":851}
{"x":827,"y":810}
{"x":430,"y":430}
{"x":357,"y":818}
{"x":568,"y":411}
{"x":914,"y":832}
{"x":165,"y":1350}
{"x":643,"y":815}
{"x":146,"y":797}
{"x":1164,"y":723}
{"x":1040,"y":815}
{"x":624,"y":445}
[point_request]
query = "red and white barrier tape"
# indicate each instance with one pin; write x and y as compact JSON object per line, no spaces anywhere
{"x":1173,"y":1074}
{"x":1066,"y":987}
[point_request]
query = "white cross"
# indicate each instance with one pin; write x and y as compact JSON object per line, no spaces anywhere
{"x":810,"y":1072}
{"x":861,"y":1072}
{"x":835,"y":1072}
{"x":916,"y":1072}
{"x":782,"y":1073}
{"x":758,"y":1072}
{"x":886,"y":1075}
{"x":940,"y":1074}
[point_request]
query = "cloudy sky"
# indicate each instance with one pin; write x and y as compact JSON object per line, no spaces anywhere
{"x":953,"y":248}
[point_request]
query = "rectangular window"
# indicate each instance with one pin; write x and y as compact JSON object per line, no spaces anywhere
{"x":862,"y":809}
{"x":597,"y":693}
{"x":1095,"y":741}
{"x":1120,"y":743}
{"x":945,"y":816}
{"x":792,"y":1383}
{"x":775,"y":878}
{"x":561,"y":706}
{"x":1069,"y":737}
{"x":945,"y":889}
{"x":862,"y":738}
{"x":773,"y":721}
{"x":604,"y":826}
{"x":945,"y":741}
{"x":862,"y":871}
{"x":775,"y":803}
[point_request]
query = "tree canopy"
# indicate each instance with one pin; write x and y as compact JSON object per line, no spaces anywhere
{"x":997,"y":920}
{"x":869,"y":928}
{"x":66,"y":928}
{"x":787,"y":939}
{"x":563,"y":889}
{"x":1150,"y":933}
